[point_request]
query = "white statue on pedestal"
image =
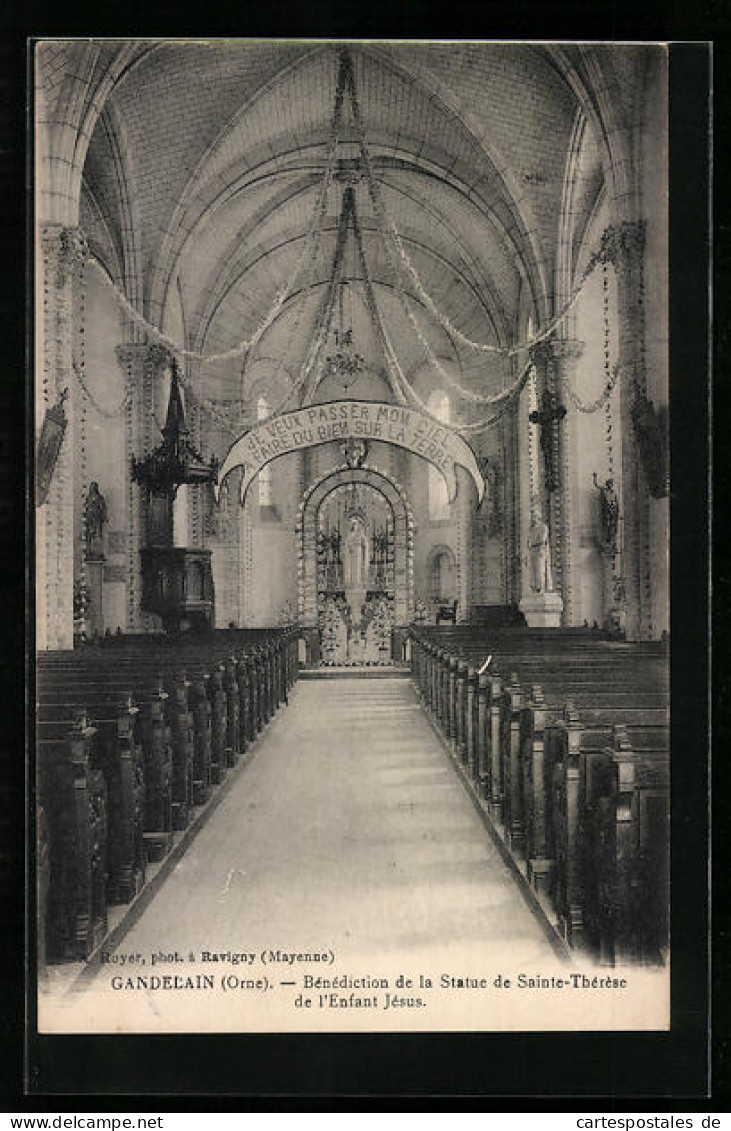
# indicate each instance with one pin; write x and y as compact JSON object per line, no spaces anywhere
{"x":539,"y":556}
{"x":356,"y":558}
{"x":541,"y":606}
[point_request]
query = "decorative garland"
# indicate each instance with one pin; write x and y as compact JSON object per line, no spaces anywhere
{"x":84,"y":398}
{"x":602,"y":400}
{"x":638,"y":234}
{"x":246,"y":344}
{"x":402,"y":387}
{"x":611,"y":372}
{"x":47,"y":512}
{"x":484,"y":347}
{"x":400,"y":261}
{"x":282,"y":295}
{"x":108,"y":414}
{"x":506,"y":396}
{"x":606,"y":401}
{"x":389,"y":229}
{"x":315,"y":234}
{"x":133,"y":529}
{"x":532,"y":454}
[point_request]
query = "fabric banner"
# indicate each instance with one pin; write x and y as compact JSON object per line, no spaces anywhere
{"x":352,"y":420}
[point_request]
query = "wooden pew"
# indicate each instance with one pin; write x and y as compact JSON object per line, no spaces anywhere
{"x":120,"y":757}
{"x":72,"y":793}
{"x":160,"y":725}
{"x":626,"y":850}
{"x":152,"y":733}
{"x":273,"y":664}
{"x":574,"y":744}
{"x":521,"y":747}
{"x":627,"y":702}
{"x":184,"y":708}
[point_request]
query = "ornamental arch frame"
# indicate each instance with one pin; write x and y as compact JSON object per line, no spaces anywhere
{"x":306,"y":531}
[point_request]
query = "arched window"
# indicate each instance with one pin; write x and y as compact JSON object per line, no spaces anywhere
{"x":438,"y":405}
{"x":265,"y":475}
{"x":442,"y":579}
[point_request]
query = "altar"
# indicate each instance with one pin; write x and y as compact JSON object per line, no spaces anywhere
{"x":355,"y":576}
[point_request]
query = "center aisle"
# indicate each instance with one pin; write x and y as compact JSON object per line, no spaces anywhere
{"x":349,"y":824}
{"x":349,"y":831}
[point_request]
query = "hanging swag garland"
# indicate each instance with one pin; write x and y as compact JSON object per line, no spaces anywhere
{"x":400,"y":265}
{"x":611,"y":372}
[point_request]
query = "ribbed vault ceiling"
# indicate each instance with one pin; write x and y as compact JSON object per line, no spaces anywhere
{"x":219,"y":150}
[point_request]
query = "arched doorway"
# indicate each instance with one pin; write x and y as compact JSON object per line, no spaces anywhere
{"x":355,"y":566}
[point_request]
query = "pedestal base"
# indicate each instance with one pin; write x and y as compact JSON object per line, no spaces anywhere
{"x":542,"y":610}
{"x":95,"y":608}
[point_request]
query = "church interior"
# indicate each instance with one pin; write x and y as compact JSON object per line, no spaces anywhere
{"x":351,"y":499}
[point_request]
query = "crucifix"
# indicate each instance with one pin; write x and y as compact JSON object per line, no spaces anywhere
{"x":548,"y":418}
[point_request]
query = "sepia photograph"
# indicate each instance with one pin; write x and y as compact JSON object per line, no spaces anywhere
{"x":352,"y":584}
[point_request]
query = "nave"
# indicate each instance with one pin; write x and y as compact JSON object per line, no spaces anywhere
{"x":351,"y":357}
{"x":439,"y":819}
{"x":349,"y":830}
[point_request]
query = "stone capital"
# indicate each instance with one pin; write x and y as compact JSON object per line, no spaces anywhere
{"x":67,"y":247}
{"x":551,"y":350}
{"x":148,"y":359}
{"x":622,"y":245}
{"x":567,"y":349}
{"x":541,"y":354}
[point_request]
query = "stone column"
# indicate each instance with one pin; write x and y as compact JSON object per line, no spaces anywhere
{"x":555,"y":361}
{"x":543,"y":356}
{"x":510,"y":547}
{"x":465,"y":506}
{"x":623,"y":245}
{"x":142,"y":365}
{"x":191,"y":500}
{"x":61,"y":253}
{"x":566,"y":353}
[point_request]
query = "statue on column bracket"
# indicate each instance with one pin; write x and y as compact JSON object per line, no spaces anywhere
{"x":491,"y":473}
{"x":539,"y":555}
{"x":609,"y":511}
{"x":95,"y":517}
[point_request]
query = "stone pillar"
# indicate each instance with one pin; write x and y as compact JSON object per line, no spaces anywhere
{"x":566,"y":353}
{"x":555,"y":361}
{"x":465,"y":506}
{"x":61,"y":252}
{"x":191,"y":500}
{"x":510,"y":548}
{"x":550,"y":501}
{"x":142,"y":365}
{"x":624,"y":246}
{"x":94,"y":570}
